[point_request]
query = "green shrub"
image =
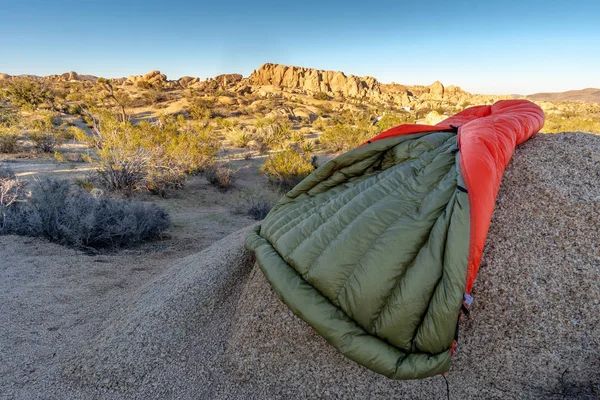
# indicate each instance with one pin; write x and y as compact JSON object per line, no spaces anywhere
{"x":67,"y":214}
{"x":8,"y":117}
{"x":264,"y":122}
{"x":154,"y":157}
{"x":9,"y":138}
{"x":345,"y":137}
{"x":239,"y":137}
{"x":200,"y":113}
{"x":275,"y":135}
{"x":44,"y":132}
{"x":287,"y":168}
{"x":390,"y":120}
{"x":28,"y":93}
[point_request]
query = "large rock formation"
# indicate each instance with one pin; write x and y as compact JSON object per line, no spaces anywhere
{"x":311,"y":80}
{"x":336,"y":84}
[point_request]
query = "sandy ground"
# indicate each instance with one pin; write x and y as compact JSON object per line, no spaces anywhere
{"x":138,"y":325}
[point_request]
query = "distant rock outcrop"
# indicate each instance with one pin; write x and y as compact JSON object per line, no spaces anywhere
{"x":313,"y":80}
{"x":337,"y":84}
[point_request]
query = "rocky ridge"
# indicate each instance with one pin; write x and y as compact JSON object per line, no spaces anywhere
{"x":288,"y":80}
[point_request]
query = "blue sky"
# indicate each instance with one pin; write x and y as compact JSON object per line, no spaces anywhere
{"x":522,"y":46}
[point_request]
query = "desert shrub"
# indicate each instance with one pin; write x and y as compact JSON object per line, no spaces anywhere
{"x":390,"y":120}
{"x":255,"y":202}
{"x":264,"y":122}
{"x":28,"y":93}
{"x":154,"y":157}
{"x":287,"y":168}
{"x":343,"y":137}
{"x":573,"y":120}
{"x":200,"y":113}
{"x":67,"y":214}
{"x":319,"y":124}
{"x":8,"y":116}
{"x":227,"y":122}
{"x":44,"y":132}
{"x":239,"y":137}
{"x":298,"y":136}
{"x":143,"y":84}
{"x":321,"y":96}
{"x":153,"y":97}
{"x":274,"y":136}
{"x":74,"y":109}
{"x":220,"y":176}
{"x":9,"y":139}
{"x":12,"y":190}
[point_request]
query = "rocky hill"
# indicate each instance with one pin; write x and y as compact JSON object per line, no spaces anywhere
{"x":338,"y":84}
{"x":276,"y":79}
{"x":590,"y":95}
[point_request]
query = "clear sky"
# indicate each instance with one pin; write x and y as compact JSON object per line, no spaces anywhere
{"x":509,"y":46}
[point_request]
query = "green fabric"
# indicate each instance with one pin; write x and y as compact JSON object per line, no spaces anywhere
{"x":371,"y":250}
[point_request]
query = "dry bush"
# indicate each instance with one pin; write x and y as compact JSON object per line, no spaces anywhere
{"x":9,"y":139}
{"x":146,"y":156}
{"x":287,"y":168}
{"x":11,"y":191}
{"x":45,"y":132}
{"x":220,"y":176}
{"x":67,"y":214}
{"x":255,"y":202}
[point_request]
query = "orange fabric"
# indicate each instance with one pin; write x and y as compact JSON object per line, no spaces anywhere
{"x":487,"y":137}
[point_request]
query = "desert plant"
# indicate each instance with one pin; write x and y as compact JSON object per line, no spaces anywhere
{"x":343,"y":137}
{"x":9,"y":139}
{"x":274,"y":135}
{"x":119,"y":98}
{"x":255,"y":202}
{"x":287,"y":168}
{"x":67,"y":214}
{"x":8,"y":116}
{"x":221,"y":176}
{"x":390,"y":120}
{"x":200,"y":113}
{"x":239,"y":137}
{"x":155,"y":157}
{"x":227,"y":122}
{"x":11,"y":191}
{"x":264,"y":122}
{"x":44,"y":132}
{"x":28,"y":93}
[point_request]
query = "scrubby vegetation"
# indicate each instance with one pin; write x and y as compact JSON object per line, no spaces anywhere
{"x":148,"y":156}
{"x":221,"y":176}
{"x":67,"y":214}
{"x":287,"y":168}
{"x":573,"y":117}
{"x":256,"y":202}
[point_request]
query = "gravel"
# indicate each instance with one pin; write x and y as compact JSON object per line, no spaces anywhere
{"x":210,"y":327}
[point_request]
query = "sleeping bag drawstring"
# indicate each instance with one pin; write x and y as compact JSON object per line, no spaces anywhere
{"x":447,"y":387}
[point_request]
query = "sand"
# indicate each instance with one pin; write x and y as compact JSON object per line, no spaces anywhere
{"x":210,"y":327}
